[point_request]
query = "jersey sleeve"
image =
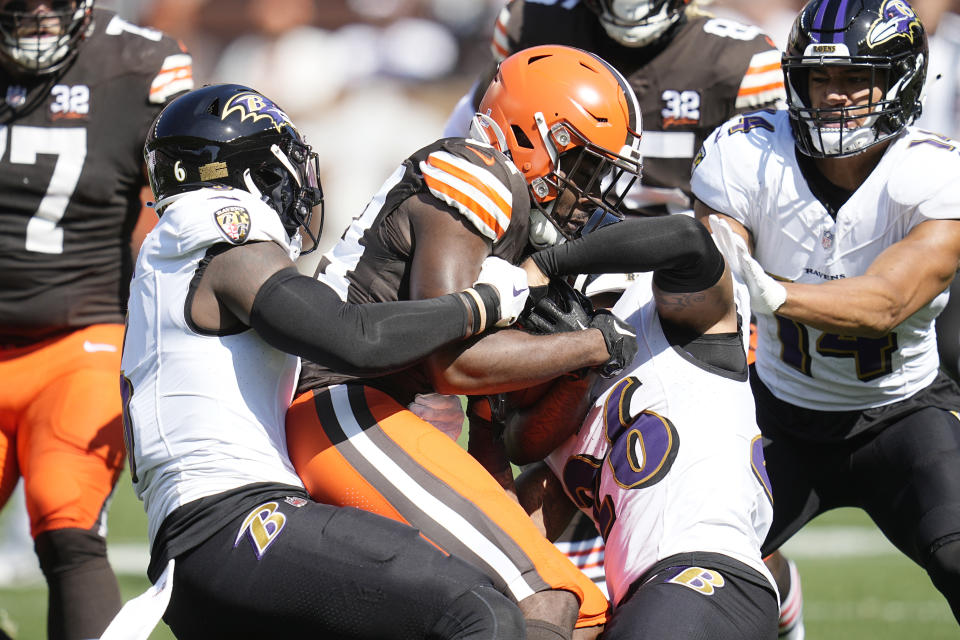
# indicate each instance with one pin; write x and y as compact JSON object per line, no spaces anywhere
{"x":762,"y":84}
{"x":160,"y":60}
{"x":506,"y":30}
{"x":746,"y":63}
{"x":715,"y":179}
{"x":475,"y":180}
{"x":207,"y":217}
{"x":175,"y":76}
{"x":925,"y":180}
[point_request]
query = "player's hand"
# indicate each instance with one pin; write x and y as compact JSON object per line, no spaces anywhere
{"x":559,"y":309}
{"x":621,"y":340}
{"x":766,"y":294}
{"x":510,"y":285}
{"x":442,"y":411}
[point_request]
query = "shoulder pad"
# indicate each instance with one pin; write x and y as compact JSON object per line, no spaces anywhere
{"x":475,"y":179}
{"x":925,"y":175}
{"x":205,"y":217}
{"x":724,"y":170}
{"x":164,"y":61}
{"x":745,"y":58}
{"x":763,"y":82}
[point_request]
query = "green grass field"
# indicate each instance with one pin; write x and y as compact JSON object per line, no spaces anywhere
{"x":856,"y":586}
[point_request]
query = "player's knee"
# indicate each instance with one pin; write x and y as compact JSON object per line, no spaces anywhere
{"x":481,"y":612}
{"x":943,"y":567}
{"x":67,"y":550}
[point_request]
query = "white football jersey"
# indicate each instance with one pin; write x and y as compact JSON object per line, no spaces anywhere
{"x":203,"y":413}
{"x":669,"y":458}
{"x":748,"y":170}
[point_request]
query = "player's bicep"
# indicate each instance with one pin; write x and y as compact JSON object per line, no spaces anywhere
{"x":703,"y":212}
{"x":447,"y":252}
{"x":917,"y":268}
{"x":234,"y":276}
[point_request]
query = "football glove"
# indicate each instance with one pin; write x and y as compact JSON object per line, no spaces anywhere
{"x":557,"y":309}
{"x":510,"y":284}
{"x":621,"y":340}
{"x":566,"y":309}
{"x":766,"y":294}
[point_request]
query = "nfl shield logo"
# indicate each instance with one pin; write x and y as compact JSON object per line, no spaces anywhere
{"x":827,"y":239}
{"x":234,"y":223}
{"x":16,"y":95}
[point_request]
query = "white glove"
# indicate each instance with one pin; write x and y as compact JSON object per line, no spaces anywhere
{"x":443,"y":412}
{"x":766,"y":294}
{"x":511,"y":285}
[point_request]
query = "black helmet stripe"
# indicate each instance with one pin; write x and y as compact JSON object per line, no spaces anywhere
{"x":829,"y":22}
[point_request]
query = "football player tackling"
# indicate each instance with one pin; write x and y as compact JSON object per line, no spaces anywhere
{"x":843,"y":221}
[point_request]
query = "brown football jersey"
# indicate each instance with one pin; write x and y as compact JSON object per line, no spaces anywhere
{"x":71,"y":170}
{"x":371,"y":262}
{"x":704,"y":71}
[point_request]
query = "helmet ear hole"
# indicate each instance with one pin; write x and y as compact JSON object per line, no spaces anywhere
{"x":521,"y":137}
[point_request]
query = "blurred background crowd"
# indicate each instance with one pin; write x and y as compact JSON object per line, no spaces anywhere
{"x":370,"y":81}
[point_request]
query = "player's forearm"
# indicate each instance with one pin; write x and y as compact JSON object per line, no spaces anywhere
{"x":532,"y":433}
{"x":512,"y":359}
{"x":862,"y":306}
{"x":677,"y":249}
{"x":305,"y":317}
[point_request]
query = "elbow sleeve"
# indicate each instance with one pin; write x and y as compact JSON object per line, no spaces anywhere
{"x":677,"y":248}
{"x":300,"y":315}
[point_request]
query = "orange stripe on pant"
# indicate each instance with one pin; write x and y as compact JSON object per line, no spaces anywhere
{"x":355,"y":446}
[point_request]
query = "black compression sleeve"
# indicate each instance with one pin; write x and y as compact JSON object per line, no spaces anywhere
{"x":303,"y":316}
{"x":677,"y":248}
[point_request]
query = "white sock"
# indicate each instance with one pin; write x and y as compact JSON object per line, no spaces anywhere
{"x":791,"y":608}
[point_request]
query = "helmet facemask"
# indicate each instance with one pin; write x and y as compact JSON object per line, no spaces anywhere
{"x":883,"y":39}
{"x":637,"y":23}
{"x":849,"y":130}
{"x":291,"y":188}
{"x":585,"y":178}
{"x":38,"y":44}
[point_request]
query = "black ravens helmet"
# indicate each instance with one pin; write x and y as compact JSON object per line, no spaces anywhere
{"x":884,"y":38}
{"x":231,"y":135}
{"x":41,"y":42}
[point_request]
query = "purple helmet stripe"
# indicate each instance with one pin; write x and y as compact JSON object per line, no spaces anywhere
{"x":818,"y":20}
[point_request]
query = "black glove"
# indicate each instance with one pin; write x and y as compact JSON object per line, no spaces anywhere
{"x":621,"y":340}
{"x":560,"y":309}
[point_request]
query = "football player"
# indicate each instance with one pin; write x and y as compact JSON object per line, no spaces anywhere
{"x":78,"y":88}
{"x":666,"y":458}
{"x":556,"y":138}
{"x":690,"y":72}
{"x":841,"y":217}
{"x":217,"y":309}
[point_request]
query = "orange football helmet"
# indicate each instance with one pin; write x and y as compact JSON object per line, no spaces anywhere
{"x":569,"y":121}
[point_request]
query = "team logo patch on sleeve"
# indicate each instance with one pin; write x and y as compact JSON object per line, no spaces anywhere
{"x":234,"y":223}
